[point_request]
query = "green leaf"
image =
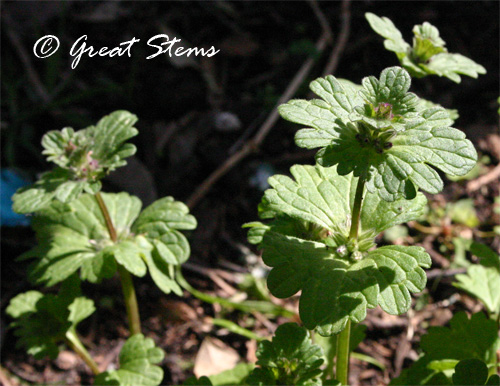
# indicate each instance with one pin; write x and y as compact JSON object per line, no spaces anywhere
{"x":463,"y":212}
{"x":307,"y":245}
{"x":72,"y":236}
{"x":160,"y":223}
{"x":234,"y":376}
{"x":474,"y":338}
{"x":323,"y":197}
{"x":75,"y":236}
{"x":483,"y":283}
{"x":470,"y":372}
{"x":289,"y":359}
{"x":428,"y":56}
{"x":137,"y":364}
{"x":42,"y":321}
{"x":83,"y":158}
{"x":385,"y":28}
{"x":383,"y":135}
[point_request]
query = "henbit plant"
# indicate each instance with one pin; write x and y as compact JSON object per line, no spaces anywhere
{"x":377,"y":145}
{"x":445,"y":350}
{"x":80,"y":229}
{"x":428,"y":55}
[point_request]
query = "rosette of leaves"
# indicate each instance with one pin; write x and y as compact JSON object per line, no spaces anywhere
{"x":445,"y":349}
{"x":138,"y":358}
{"x":75,"y":237}
{"x":82,"y":157}
{"x":43,"y":321}
{"x":428,"y":55}
{"x":307,"y":244}
{"x":289,"y":359}
{"x":382,"y":133}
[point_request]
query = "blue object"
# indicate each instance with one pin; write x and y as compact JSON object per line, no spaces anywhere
{"x":10,"y":182}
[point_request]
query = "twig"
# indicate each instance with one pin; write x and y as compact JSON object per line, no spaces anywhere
{"x":434,"y":273}
{"x":492,"y":175}
{"x":338,"y":49}
{"x":323,"y":21}
{"x":25,"y":59}
{"x":253,"y":144}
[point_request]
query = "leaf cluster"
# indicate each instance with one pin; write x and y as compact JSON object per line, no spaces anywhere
{"x":138,"y":358}
{"x":382,"y":133}
{"x":445,"y":347}
{"x":307,"y":245}
{"x":43,"y":320}
{"x":82,"y":159}
{"x":74,"y":236}
{"x":428,"y":55}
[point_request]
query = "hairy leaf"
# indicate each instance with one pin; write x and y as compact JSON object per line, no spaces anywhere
{"x":42,"y":321}
{"x":75,"y":236}
{"x":138,"y":358}
{"x":83,"y":158}
{"x":307,"y":245}
{"x":483,"y":281}
{"x":474,"y":338}
{"x":289,"y":359}
{"x":384,"y":136}
{"x":428,"y":55}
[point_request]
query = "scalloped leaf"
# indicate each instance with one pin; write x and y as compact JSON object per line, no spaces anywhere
{"x":83,"y":158}
{"x":334,"y":289}
{"x":160,"y":223}
{"x":483,"y":280}
{"x":42,"y":321}
{"x":307,"y":245}
{"x":322,"y":196}
{"x":74,"y":236}
{"x":474,"y":338}
{"x":428,"y":56}
{"x":407,"y":163}
{"x":390,"y":139}
{"x":289,"y":359}
{"x":386,"y":28}
{"x":138,"y":358}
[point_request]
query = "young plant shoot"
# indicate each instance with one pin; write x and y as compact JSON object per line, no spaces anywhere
{"x":81,"y":230}
{"x":379,"y":144}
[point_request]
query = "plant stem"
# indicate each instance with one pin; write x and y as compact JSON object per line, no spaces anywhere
{"x":107,"y":217}
{"x":342,"y":371}
{"x":343,"y":354}
{"x":134,"y":320}
{"x":76,"y":345}
{"x":356,"y":210}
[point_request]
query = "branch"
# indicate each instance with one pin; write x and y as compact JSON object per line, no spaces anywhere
{"x":253,"y":144}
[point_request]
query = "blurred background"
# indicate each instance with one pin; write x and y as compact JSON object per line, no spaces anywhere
{"x":196,"y":113}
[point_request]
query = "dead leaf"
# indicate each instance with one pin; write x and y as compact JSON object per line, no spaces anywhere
{"x":214,"y":357}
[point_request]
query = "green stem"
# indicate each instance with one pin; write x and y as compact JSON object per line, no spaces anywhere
{"x":356,"y":210}
{"x":134,"y":320}
{"x":343,"y":353}
{"x":76,"y":345}
{"x":245,"y":306}
{"x":107,"y":217}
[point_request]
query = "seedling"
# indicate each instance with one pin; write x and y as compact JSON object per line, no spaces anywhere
{"x":84,"y":234}
{"x":379,"y":144}
{"x":428,"y":55}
